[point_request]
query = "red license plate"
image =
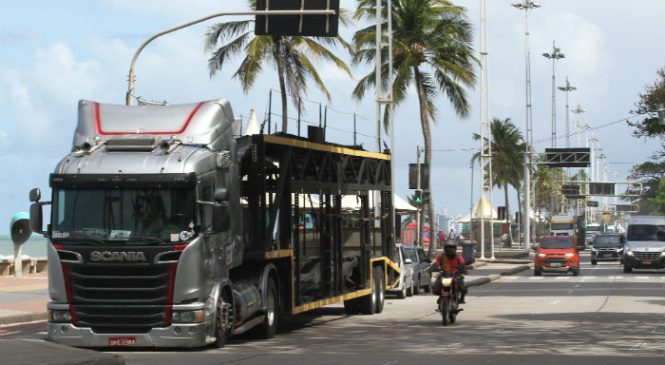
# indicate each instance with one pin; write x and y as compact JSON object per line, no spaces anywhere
{"x":646,"y":262}
{"x":122,"y":341}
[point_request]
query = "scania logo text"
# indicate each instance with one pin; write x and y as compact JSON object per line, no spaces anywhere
{"x":108,"y":256}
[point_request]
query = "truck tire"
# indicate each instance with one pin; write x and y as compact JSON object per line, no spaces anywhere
{"x":224,"y":319}
{"x":627,"y":268}
{"x":368,"y":303}
{"x":379,"y":281}
{"x":269,"y":326}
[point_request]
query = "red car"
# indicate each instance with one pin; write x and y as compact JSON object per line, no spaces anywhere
{"x":556,"y":254}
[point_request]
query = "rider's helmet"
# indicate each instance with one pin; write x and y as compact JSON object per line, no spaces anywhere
{"x":450,"y":249}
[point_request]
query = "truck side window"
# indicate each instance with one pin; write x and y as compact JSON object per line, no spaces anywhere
{"x":206,"y":189}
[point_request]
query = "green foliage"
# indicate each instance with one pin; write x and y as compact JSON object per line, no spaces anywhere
{"x":652,"y":100}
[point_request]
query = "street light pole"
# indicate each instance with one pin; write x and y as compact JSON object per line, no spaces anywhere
{"x":567,"y":89}
{"x":555,"y":55}
{"x":131,"y":78}
{"x":527,"y":5}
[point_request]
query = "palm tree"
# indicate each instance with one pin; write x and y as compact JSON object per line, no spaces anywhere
{"x":431,"y":51}
{"x":291,"y":55}
{"x":508,"y":150}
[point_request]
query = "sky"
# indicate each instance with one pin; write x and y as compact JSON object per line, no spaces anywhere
{"x":53,"y":54}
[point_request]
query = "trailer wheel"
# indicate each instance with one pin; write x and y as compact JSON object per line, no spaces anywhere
{"x":269,"y":327}
{"x":224,"y":319}
{"x":379,"y":283}
{"x":368,"y":303}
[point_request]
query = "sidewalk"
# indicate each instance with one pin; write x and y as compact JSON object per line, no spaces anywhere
{"x":23,"y":299}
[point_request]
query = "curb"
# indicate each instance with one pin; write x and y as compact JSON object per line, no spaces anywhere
{"x":21,"y":318}
{"x":488,"y":279}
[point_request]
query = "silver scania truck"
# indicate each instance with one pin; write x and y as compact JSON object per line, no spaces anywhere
{"x":168,"y":229}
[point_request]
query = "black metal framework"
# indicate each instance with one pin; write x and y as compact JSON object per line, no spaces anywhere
{"x":568,"y":157}
{"x":278,"y":173}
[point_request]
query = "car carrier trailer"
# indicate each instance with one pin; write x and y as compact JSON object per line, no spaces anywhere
{"x":168,"y":229}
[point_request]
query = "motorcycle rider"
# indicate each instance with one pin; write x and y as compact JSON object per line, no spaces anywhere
{"x":449,"y":261}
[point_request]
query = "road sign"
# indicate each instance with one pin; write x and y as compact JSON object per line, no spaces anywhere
{"x":592,"y":203}
{"x":297,"y":25}
{"x":568,"y":157}
{"x":570,"y":189}
{"x":627,"y":208}
{"x":601,"y":188}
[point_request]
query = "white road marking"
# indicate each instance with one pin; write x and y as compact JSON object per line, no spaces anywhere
{"x":557,"y":301}
{"x":514,"y":277}
{"x":563,"y":278}
{"x":589,"y":277}
{"x":536,"y":278}
{"x":577,"y":286}
{"x":618,"y":277}
{"x":638,"y":346}
{"x":642,"y":278}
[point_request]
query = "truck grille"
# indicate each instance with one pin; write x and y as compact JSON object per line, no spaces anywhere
{"x":116,"y":298}
{"x":647,"y":255}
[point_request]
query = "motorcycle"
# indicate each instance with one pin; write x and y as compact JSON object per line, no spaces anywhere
{"x":449,"y":297}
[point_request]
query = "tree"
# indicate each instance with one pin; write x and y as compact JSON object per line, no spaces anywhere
{"x":290,"y":55}
{"x":508,"y":150}
{"x":432,"y":52}
{"x":651,"y":173}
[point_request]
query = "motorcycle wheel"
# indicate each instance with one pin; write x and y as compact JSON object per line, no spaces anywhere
{"x":443,"y":307}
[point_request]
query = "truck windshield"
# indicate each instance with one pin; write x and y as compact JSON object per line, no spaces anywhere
{"x":139,"y":216}
{"x":562,"y":226}
{"x":646,"y":232}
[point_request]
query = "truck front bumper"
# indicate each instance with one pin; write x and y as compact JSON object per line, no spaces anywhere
{"x":177,"y":335}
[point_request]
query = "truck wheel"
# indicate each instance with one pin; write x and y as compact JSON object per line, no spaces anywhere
{"x":626,"y":268}
{"x":368,"y":303}
{"x":269,"y":326}
{"x":381,"y":292}
{"x":224,"y":319}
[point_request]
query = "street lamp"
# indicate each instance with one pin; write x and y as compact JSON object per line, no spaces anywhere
{"x":527,"y":5}
{"x":554,"y":55}
{"x":567,"y":89}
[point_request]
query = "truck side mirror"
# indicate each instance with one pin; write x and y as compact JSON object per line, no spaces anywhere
{"x":36,"y":220}
{"x":35,"y":195}
{"x":221,"y":219}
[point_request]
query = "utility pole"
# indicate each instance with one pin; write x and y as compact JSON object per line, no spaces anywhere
{"x":567,"y":89}
{"x":527,"y":5}
{"x":554,"y":56}
{"x":419,"y":200}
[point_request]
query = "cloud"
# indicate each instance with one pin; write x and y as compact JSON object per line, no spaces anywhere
{"x":3,"y":139}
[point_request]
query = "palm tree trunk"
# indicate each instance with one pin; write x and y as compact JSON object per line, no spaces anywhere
{"x":510,"y":231}
{"x":427,"y":136}
{"x":277,"y":54}
{"x":522,"y":220}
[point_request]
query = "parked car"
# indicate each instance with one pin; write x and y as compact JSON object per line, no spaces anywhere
{"x":422,"y":272}
{"x":645,"y":243}
{"x":606,"y":247}
{"x":406,"y":268}
{"x":556,"y":254}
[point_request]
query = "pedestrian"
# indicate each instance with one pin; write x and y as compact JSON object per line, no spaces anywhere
{"x":441,"y":236}
{"x":451,"y":235}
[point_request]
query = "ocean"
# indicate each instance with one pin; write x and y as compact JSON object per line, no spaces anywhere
{"x":34,"y":247}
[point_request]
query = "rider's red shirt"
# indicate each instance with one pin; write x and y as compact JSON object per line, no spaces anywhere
{"x":449,"y":265}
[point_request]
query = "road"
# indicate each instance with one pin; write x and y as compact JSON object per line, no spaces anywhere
{"x":601,"y":317}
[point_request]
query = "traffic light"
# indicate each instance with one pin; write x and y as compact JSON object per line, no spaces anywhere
{"x":419,"y":197}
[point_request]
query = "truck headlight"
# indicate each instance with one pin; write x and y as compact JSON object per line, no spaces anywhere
{"x":187,"y":316}
{"x":59,"y":316}
{"x":662,"y":254}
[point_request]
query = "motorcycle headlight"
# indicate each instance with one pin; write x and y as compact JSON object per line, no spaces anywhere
{"x":446,"y":281}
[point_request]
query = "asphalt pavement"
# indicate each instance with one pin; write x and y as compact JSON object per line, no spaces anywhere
{"x":601,"y":317}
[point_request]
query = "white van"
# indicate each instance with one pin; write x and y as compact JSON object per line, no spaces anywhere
{"x":645,"y":243}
